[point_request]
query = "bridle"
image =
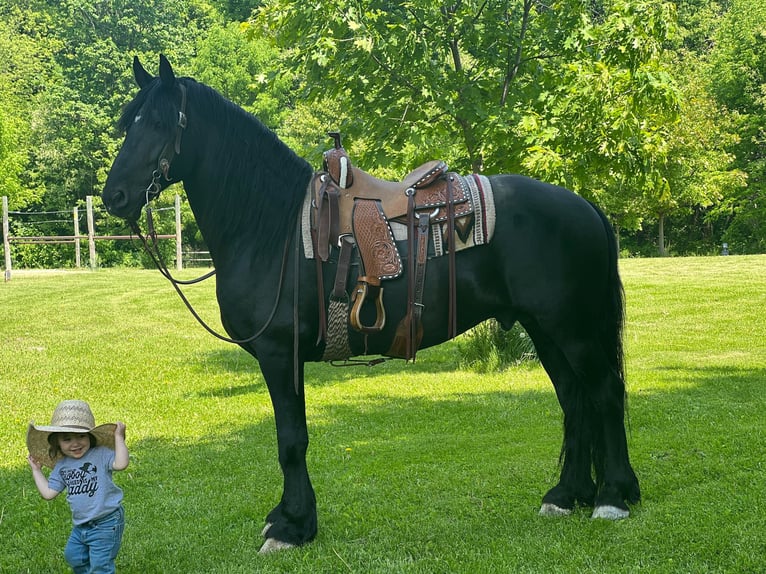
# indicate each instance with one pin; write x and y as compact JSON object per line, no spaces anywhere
{"x":168,"y":152}
{"x":151,"y":244}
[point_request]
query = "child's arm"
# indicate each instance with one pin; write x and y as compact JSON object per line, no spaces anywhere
{"x":121,"y":457}
{"x":40,"y":481}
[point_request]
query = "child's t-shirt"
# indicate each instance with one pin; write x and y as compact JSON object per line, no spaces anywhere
{"x":91,"y":492}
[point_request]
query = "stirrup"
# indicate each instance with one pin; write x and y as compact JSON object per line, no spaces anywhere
{"x":364,"y":286}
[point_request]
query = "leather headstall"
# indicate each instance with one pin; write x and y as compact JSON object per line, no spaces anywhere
{"x":168,"y":153}
{"x":170,"y":150}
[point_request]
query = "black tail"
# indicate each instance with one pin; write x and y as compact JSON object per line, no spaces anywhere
{"x":614,"y":322}
{"x":611,"y":334}
{"x":612,"y":340}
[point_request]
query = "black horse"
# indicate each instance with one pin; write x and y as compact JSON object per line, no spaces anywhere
{"x":552,"y":266}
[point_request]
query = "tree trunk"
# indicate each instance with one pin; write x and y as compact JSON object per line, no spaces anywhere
{"x":661,"y":236}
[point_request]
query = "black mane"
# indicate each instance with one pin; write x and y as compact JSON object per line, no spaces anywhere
{"x":259,"y":183}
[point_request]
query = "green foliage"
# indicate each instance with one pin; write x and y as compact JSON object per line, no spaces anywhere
{"x":655,"y":110}
{"x":488,"y":347}
{"x":747,"y":232}
{"x":737,"y":72}
{"x":23,"y":70}
{"x":589,"y":97}
{"x":602,"y":127}
{"x":575,"y":96}
{"x":74,"y":86}
{"x":12,"y":159}
{"x":419,"y":468}
{"x":244,"y":71}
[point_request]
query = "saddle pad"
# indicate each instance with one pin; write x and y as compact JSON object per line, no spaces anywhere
{"x":471,"y":229}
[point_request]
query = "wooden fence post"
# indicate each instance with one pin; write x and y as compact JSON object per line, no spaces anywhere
{"x":6,"y":241}
{"x":76,"y":237}
{"x":91,"y":233}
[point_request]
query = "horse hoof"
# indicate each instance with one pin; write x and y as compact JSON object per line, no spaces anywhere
{"x":274,"y":545}
{"x":610,"y":513}
{"x":548,"y":509}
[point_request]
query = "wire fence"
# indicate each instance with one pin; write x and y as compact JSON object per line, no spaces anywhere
{"x":77,"y":238}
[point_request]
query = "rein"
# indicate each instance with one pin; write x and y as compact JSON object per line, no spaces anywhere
{"x":154,"y":252}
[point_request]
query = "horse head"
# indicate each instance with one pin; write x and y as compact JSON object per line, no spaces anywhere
{"x":153,"y":123}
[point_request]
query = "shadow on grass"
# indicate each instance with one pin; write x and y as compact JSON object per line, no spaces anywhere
{"x":386,"y":471}
{"x":194,"y":504}
{"x":235,"y":360}
{"x":748,"y":382}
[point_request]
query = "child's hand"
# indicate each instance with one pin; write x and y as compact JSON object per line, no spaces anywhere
{"x":121,"y":456}
{"x":40,"y":481}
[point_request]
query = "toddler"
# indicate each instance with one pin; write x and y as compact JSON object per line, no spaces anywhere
{"x":83,"y":456}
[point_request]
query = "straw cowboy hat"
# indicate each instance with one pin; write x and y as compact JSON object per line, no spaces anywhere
{"x":69,"y":417}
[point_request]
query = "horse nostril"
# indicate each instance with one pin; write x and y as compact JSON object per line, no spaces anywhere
{"x":114,"y":199}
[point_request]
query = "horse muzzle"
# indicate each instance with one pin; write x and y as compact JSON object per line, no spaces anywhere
{"x":125,"y":205}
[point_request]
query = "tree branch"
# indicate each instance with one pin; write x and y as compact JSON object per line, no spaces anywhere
{"x":513,"y":64}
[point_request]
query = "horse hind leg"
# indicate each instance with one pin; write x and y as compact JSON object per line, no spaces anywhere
{"x":576,"y":485}
{"x":616,"y":481}
{"x":602,"y":400}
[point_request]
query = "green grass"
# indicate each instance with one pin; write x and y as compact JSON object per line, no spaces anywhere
{"x":422,"y":468}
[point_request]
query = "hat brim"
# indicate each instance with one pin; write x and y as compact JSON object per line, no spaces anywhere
{"x":37,"y":440}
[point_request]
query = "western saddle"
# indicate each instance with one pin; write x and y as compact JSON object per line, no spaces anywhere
{"x":350,"y":207}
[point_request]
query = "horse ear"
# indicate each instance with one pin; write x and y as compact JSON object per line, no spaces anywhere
{"x":142,"y":76}
{"x":166,"y":72}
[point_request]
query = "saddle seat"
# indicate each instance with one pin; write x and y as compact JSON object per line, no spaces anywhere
{"x":392,"y":195}
{"x":427,"y":183}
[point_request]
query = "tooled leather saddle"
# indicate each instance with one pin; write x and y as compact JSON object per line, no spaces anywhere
{"x":351,"y":208}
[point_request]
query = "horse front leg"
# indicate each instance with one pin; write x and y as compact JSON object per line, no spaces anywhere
{"x":293,"y":521}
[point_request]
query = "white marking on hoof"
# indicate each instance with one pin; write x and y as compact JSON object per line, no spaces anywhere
{"x":548,"y":509}
{"x":266,"y":529}
{"x":610,"y":512}
{"x":274,"y":545}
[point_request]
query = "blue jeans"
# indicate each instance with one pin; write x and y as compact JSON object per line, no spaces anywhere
{"x":93,"y":546}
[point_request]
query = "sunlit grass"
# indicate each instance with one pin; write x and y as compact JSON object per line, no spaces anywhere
{"x":418,"y":468}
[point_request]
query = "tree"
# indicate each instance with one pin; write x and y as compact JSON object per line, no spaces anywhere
{"x":737,"y":75}
{"x":25,"y":67}
{"x":571,"y":92}
{"x":243,"y":71}
{"x":84,"y":48}
{"x":697,"y":170}
{"x":601,"y":127}
{"x":69,"y":64}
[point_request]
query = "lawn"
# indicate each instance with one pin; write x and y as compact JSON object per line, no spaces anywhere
{"x":424,"y":468}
